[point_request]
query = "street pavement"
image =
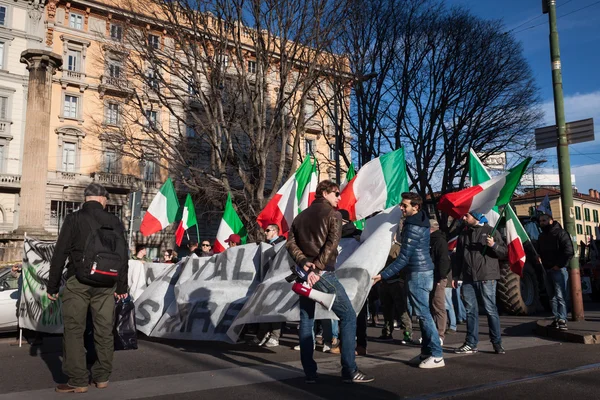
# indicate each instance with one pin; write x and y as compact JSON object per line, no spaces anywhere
{"x":532,"y":368}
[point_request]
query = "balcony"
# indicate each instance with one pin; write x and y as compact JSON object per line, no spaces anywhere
{"x":114,"y":86}
{"x":73,"y":78}
{"x":10,"y":182}
{"x":114,"y":180}
{"x":5,"y":128}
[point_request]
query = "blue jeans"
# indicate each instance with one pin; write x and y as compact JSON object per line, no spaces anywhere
{"x":556,"y":285}
{"x":450,"y":308}
{"x":342,"y":307}
{"x":461,"y":312}
{"x":330,"y":330}
{"x":420,"y":285}
{"x":487,"y":291}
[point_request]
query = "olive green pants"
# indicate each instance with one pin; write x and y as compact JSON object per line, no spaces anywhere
{"x":76,"y":299}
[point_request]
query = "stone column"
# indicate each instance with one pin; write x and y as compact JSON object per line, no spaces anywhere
{"x":42,"y":65}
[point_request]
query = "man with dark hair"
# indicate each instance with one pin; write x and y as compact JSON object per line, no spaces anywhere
{"x":140,"y":252}
{"x":555,"y":251}
{"x":205,"y":249}
{"x":476,"y":262}
{"x":77,"y":297}
{"x":312,"y":243}
{"x":414,"y":255}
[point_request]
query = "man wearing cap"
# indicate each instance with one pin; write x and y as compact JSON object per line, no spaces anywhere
{"x":77,"y":297}
{"x":233,"y":240}
{"x":476,"y":263}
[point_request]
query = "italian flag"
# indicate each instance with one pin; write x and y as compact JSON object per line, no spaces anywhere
{"x":349,"y":176}
{"x":378,"y":185}
{"x":515,"y":233}
{"x":308,"y":194}
{"x":283,"y":207}
{"x":483,"y":197}
{"x":162,"y":211}
{"x":230,"y":224}
{"x":188,"y":219}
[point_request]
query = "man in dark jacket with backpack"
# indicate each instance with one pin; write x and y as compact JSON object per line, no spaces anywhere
{"x":93,"y":242}
{"x":414,"y":256}
{"x":476,"y":262}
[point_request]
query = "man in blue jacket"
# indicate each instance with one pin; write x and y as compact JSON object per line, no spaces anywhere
{"x":414,"y":255}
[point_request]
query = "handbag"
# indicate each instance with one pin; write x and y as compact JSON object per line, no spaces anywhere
{"x":124,"y":330}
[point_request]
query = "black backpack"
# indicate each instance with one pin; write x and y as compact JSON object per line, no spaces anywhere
{"x":102,"y":261}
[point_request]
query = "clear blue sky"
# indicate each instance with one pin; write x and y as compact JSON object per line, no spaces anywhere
{"x":579,"y":34}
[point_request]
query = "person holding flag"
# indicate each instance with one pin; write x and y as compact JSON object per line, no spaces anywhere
{"x":478,"y":250}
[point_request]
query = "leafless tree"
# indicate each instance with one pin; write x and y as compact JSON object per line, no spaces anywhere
{"x":220,"y":89}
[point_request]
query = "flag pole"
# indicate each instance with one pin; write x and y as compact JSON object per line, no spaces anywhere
{"x":197,"y":232}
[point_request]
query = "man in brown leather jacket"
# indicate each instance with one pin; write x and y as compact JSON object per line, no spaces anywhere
{"x":312,"y":243}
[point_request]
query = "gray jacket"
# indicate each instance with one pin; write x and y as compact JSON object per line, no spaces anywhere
{"x":470,"y":263}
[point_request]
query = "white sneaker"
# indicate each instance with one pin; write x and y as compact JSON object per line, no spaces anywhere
{"x":441,"y":342}
{"x":326,"y":348}
{"x":297,"y":347}
{"x":432,"y":362}
{"x":272,"y":342}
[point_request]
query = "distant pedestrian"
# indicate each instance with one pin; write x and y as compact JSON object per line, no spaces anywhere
{"x":205,"y":249}
{"x":555,"y":252}
{"x":169,"y":256}
{"x":476,"y":262}
{"x":92,"y":242}
{"x":233,"y":240}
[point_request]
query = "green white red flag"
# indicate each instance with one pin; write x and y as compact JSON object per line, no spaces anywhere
{"x":378,"y":185}
{"x":162,"y":211}
{"x":482,"y":197}
{"x":360,"y":224}
{"x":188,"y":219}
{"x":308,"y":194}
{"x":230,"y":224}
{"x":283,"y":207}
{"x":516,"y":236}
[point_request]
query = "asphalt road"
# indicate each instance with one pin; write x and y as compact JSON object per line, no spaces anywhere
{"x":533,"y":368}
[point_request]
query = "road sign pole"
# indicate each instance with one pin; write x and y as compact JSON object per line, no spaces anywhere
{"x":564,"y":162}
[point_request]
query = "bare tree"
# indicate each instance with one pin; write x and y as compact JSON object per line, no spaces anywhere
{"x":221,"y":89}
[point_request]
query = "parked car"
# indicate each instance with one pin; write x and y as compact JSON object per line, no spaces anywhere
{"x":9,"y":292}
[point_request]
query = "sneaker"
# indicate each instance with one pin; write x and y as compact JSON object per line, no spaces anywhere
{"x":297,"y":347}
{"x":553,"y":325}
{"x":310,"y":379}
{"x":466,"y":349}
{"x":420,"y":340}
{"x":272,"y":342}
{"x":441,"y":342}
{"x":359,"y":377}
{"x":407,"y":339}
{"x":450,"y":331}
{"x":432,"y":362}
{"x":258,"y":342}
{"x":562,"y":325}
{"x":64,"y":388}
{"x":384,"y":338}
{"x":326,"y":348}
{"x":498,"y":348}
{"x":335,"y":349}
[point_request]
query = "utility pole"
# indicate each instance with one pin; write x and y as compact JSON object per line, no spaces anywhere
{"x":564,"y":161}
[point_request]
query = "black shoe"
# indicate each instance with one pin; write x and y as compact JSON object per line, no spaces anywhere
{"x":562,"y":325}
{"x":466,"y":349}
{"x":310,"y":379}
{"x":553,"y":325}
{"x":499,"y":349}
{"x":384,"y":338}
{"x":359,"y":377}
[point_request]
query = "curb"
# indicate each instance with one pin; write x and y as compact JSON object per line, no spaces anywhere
{"x":572,"y":335}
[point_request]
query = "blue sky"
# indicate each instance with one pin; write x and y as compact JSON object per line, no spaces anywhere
{"x":579,"y":35}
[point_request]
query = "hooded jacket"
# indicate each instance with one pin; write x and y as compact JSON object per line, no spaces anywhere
{"x":439,"y":255}
{"x":554,"y":246}
{"x":414,"y":247}
{"x":472,"y":262}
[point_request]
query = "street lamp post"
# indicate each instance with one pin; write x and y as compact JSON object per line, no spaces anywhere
{"x":538,"y":162}
{"x":61,"y":209}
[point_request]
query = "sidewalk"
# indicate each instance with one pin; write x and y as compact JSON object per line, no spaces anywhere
{"x":586,"y":332}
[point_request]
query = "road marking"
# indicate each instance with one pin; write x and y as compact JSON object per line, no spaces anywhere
{"x":241,"y":376}
{"x":494,"y":385}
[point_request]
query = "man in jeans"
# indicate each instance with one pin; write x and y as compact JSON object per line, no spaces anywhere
{"x":312,"y":243}
{"x":555,"y":251}
{"x":476,"y":261}
{"x":414,"y":255}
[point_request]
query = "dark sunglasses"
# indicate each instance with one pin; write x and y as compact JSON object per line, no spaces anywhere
{"x":268,"y":230}
{"x":205,"y":245}
{"x":337,"y":194}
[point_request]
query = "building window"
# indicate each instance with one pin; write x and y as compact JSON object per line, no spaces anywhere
{"x":578,"y":213}
{"x":190,"y":131}
{"x":60,"y":209}
{"x":310,"y":146}
{"x":149,"y":170}
{"x":332,"y":153}
{"x":151,"y":118}
{"x":586,"y":213}
{"x":309,"y":110}
{"x":68,"y":157}
{"x":116,"y":32}
{"x":71,"y":106}
{"x":3,"y":16}
{"x":74,"y":60}
{"x":115,"y":210}
{"x":1,"y":55}
{"x":595,"y":213}
{"x":4,"y":108}
{"x":154,"y":41}
{"x":76,"y":21}
{"x":152,"y":78}
{"x":579,"y":229}
{"x":112,"y":114}
{"x":252,"y":67}
{"x":2,"y":158}
{"x":588,"y":230}
{"x":110,"y":161}
{"x":114,"y":71}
